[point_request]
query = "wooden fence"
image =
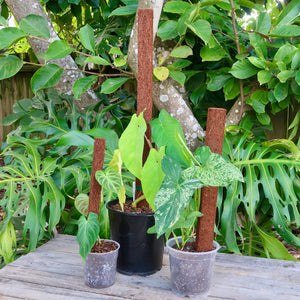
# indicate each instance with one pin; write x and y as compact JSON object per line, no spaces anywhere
{"x":12,"y":90}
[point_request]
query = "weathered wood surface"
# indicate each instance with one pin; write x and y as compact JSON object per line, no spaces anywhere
{"x":55,"y":271}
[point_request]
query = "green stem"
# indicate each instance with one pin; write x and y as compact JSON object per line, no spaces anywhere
{"x":138,"y":200}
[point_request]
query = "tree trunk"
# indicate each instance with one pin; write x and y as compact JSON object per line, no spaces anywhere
{"x":20,"y":9}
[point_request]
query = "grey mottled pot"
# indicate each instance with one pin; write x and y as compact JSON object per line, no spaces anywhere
{"x":191,"y":272}
{"x":100,"y":268}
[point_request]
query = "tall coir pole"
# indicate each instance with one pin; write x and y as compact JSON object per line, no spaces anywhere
{"x":95,"y":187}
{"x":145,"y":75}
{"x":214,"y":140}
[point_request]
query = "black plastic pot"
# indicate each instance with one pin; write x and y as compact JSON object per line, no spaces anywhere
{"x":140,"y":253}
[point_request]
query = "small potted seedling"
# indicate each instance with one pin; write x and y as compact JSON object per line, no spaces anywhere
{"x":99,"y":255}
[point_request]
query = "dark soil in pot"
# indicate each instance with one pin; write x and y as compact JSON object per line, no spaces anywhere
{"x":140,"y":253}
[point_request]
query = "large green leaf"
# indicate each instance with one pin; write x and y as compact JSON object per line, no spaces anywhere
{"x":97,"y":60}
{"x":9,"y":35}
{"x":263,"y":23}
{"x":58,"y":49}
{"x":286,"y":31}
{"x":86,"y":35}
{"x":264,"y":170}
{"x":152,"y":175}
{"x":81,"y":85}
{"x":212,"y":54}
{"x":181,"y":52}
{"x":76,"y":138}
{"x":109,"y":179}
{"x":88,"y":230}
{"x":168,"y":30}
{"x":35,"y":25}
{"x":124,"y":11}
{"x":131,"y":144}
{"x":176,"y":7}
{"x":165,"y":132}
{"x":46,"y":77}
{"x":111,"y":85}
{"x":82,"y":203}
{"x":9,"y":66}
{"x":290,"y":13}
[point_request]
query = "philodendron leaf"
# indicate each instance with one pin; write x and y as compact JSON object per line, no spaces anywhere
{"x":109,"y":179}
{"x":88,"y":230}
{"x":47,"y":76}
{"x":10,"y":35}
{"x":131,"y":145}
{"x":58,"y":49}
{"x":174,"y":195}
{"x":165,"y":132}
{"x":35,"y":25}
{"x":112,"y":84}
{"x":81,"y":85}
{"x":215,"y":171}
{"x":9,"y":66}
{"x":152,"y":175}
{"x":82,"y":203}
{"x":86,"y":35}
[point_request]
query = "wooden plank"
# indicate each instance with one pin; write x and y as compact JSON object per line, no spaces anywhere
{"x":55,"y":271}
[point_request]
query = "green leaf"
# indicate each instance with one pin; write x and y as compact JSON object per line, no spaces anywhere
{"x":152,"y":175}
{"x":231,"y":88}
{"x":161,"y":73}
{"x":264,"y":76}
{"x":9,"y":66}
{"x":286,"y":31}
{"x":167,"y":30}
{"x":285,"y":54}
{"x":176,"y":7}
{"x":3,"y":21}
{"x":264,"y":118}
{"x":263,"y":24}
{"x":131,"y":145}
{"x":178,"y":76}
{"x":285,"y":75}
{"x":182,"y":52}
{"x":259,"y":44}
{"x":81,"y":85}
{"x":296,"y":60}
{"x":243,"y":69}
{"x":202,"y":29}
{"x":119,"y":62}
{"x":124,"y":11}
{"x":82,"y":203}
{"x":58,"y":49}
{"x":86,"y":35}
{"x":275,"y":247}
{"x":46,"y":77}
{"x":10,"y":35}
{"x":110,"y":135}
{"x":255,"y":61}
{"x":188,"y":15}
{"x":281,"y":91}
{"x":181,"y":63}
{"x":75,"y":138}
{"x":258,"y":106}
{"x":216,"y":82}
{"x":35,"y":25}
{"x":109,"y":179}
{"x":212,"y":54}
{"x":165,"y":132}
{"x":8,"y":241}
{"x":97,"y":60}
{"x":290,"y":13}
{"x":76,"y":2}
{"x":11,"y":119}
{"x":88,"y":230}
{"x":115,"y":51}
{"x":297,"y":77}
{"x":111,"y":85}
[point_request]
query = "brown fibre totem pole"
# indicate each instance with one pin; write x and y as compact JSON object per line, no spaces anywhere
{"x":214,"y":140}
{"x":145,"y":78}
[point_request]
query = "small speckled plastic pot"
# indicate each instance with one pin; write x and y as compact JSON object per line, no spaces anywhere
{"x":100,"y":268}
{"x":191,"y":272}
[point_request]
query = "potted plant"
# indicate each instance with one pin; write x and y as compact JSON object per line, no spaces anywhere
{"x":140,"y":252}
{"x":99,"y":255}
{"x":178,"y":200}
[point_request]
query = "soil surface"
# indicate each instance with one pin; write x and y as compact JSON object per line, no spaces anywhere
{"x":104,"y":247}
{"x":129,"y":209}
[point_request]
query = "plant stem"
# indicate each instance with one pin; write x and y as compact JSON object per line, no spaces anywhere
{"x":138,"y":200}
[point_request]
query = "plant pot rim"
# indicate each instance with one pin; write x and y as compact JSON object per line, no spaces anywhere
{"x":106,"y":253}
{"x":126,"y":213}
{"x":172,"y":242}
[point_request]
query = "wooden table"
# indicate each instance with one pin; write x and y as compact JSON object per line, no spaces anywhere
{"x":55,"y":271}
